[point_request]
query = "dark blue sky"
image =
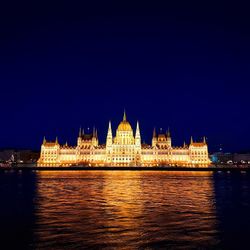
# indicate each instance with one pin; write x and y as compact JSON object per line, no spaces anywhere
{"x":183,"y":65}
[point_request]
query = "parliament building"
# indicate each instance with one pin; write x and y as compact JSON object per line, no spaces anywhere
{"x":124,"y":149}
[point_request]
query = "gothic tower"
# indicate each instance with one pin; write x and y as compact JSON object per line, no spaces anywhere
{"x":94,"y":137}
{"x":109,"y":136}
{"x":79,"y":139}
{"x":154,"y":139}
{"x":137,"y":136}
{"x":109,"y":142}
{"x":169,"y":140}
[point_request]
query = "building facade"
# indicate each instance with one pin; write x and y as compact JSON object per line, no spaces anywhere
{"x":124,"y":149}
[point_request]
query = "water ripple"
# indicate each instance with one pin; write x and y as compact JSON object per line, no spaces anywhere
{"x":125,"y":210}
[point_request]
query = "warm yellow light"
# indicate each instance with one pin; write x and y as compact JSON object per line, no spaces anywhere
{"x":124,"y":149}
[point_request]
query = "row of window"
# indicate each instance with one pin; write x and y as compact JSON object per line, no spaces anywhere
{"x":199,"y":153}
{"x":49,"y":152}
{"x":123,"y":159}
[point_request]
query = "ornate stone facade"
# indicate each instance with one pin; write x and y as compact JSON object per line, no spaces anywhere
{"x":124,"y":149}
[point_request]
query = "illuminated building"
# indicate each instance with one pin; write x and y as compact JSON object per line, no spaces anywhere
{"x":124,"y":149}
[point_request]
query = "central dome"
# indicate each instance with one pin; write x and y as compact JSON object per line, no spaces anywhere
{"x":124,"y":125}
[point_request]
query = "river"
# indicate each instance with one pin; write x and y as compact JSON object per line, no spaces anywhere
{"x":124,"y":210}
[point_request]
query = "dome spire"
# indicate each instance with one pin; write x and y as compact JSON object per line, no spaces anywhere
{"x":124,"y":116}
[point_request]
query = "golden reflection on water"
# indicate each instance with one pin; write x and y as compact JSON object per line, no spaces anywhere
{"x":125,"y":209}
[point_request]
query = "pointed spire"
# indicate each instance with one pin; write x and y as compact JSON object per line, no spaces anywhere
{"x":44,"y":140}
{"x":191,"y":140}
{"x":154,"y":139}
{"x":80,"y":132}
{"x":168,"y":133}
{"x":109,"y":135}
{"x":124,"y":116}
{"x":154,"y":133}
{"x":110,"y":129}
{"x":184,"y":144}
{"x":66,"y":144}
{"x":204,"y":140}
{"x":137,"y":133}
{"x":83,"y":131}
{"x":137,"y":126}
{"x":94,"y":131}
{"x":56,"y":140}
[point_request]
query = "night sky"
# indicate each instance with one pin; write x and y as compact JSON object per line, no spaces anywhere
{"x":67,"y":64}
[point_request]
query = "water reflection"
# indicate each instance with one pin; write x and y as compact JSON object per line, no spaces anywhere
{"x":125,"y":209}
{"x":232,"y":195}
{"x":17,"y":209}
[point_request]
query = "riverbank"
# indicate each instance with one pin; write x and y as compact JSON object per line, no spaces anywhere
{"x":86,"y":168}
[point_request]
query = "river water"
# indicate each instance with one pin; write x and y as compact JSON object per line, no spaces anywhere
{"x":124,"y":210}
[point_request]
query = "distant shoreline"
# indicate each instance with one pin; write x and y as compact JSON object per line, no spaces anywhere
{"x":85,"y":168}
